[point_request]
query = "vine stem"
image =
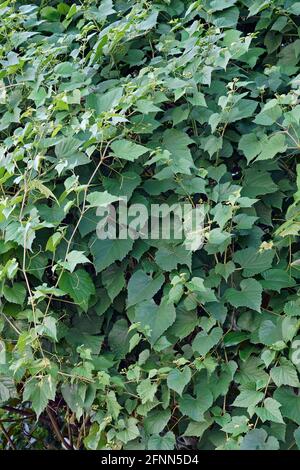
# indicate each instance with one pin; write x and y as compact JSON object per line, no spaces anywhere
{"x":7,"y":436}
{"x":57,"y":430}
{"x":79,"y":220}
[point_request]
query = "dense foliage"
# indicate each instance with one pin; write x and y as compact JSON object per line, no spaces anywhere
{"x":142,"y":344}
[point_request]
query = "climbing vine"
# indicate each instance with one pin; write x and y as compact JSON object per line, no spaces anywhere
{"x":141,"y":343}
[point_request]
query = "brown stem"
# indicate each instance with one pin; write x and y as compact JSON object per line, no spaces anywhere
{"x":57,"y":430}
{"x":10,"y":442}
{"x":11,"y":409}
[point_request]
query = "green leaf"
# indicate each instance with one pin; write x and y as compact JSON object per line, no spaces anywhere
{"x":91,"y":441}
{"x":295,"y":8}
{"x":243,"y":109}
{"x":270,"y":333}
{"x":223,"y":380}
{"x":129,"y":432}
{"x":235,"y":337}
{"x":227,"y":18}
{"x":185,"y":323}
{"x":257,"y":439}
{"x":113,"y":406}
{"x":50,"y":327}
{"x":157,"y":318}
{"x":79,"y":286}
{"x":198,"y":99}
{"x":106,"y":252}
{"x":257,"y":183}
{"x":118,"y":338}
{"x":269,"y":114}
{"x":128,"y":150}
{"x":66,"y":147}
{"x":249,"y":296}
{"x":122,"y":185}
{"x":248,"y":398}
{"x":204,"y":342}
{"x":212,"y":144}
{"x":197,"y":429}
{"x":274,"y":145}
{"x":290,"y":403}
{"x":142,"y":287}
{"x":11,"y":268}
{"x":258,"y":6}
{"x":73,"y":258}
{"x":113,"y":280}
{"x":15,"y":294}
{"x":105,"y":102}
{"x":195,"y":408}
{"x":252,"y":261}
{"x":74,"y":395}
{"x":36,"y":184}
{"x":270,"y":411}
{"x":165,"y":442}
{"x":250,"y":146}
{"x":215,"y":5}
{"x":64,"y":69}
{"x":146,"y":390}
{"x":277,"y":279}
{"x":50,"y":13}
{"x":168,"y":258}
{"x":285,"y":374}
{"x":39,"y":392}
{"x":146,"y":107}
{"x":156,"y":421}
{"x":177,"y":380}
{"x":225,"y":269}
{"x":297,"y":432}
{"x":104,"y":10}
{"x":238,"y":425}
{"x":97,"y":199}
{"x":176,"y":142}
{"x":7,"y":389}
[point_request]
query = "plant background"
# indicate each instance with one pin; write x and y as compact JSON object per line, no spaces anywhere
{"x":140,"y":344}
